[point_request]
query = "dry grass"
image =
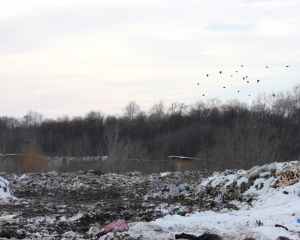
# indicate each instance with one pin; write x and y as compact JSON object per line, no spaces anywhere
{"x":35,"y":160}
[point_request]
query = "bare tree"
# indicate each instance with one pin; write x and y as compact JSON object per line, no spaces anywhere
{"x":131,"y":110}
{"x":197,"y":109}
{"x":213,"y":103}
{"x":32,"y":118}
{"x":246,"y":144}
{"x":177,"y":109}
{"x":156,"y":116}
{"x":115,"y":148}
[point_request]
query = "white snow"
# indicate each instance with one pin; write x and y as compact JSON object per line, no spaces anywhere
{"x":270,"y":207}
{"x":164,"y":174}
{"x":273,"y":208}
{"x":5,"y":192}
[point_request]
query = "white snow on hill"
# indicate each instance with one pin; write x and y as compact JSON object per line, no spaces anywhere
{"x":269,"y":208}
{"x":5,"y":192}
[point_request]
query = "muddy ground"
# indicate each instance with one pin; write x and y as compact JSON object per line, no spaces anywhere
{"x":50,"y":205}
{"x":101,"y":208}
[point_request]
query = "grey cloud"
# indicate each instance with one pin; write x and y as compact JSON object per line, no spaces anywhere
{"x":22,"y":34}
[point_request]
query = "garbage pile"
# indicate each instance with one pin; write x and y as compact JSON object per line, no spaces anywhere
{"x":132,"y":185}
{"x":89,"y":204}
{"x":5,"y":191}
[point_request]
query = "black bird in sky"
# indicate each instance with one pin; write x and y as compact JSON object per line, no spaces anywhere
{"x":257,"y":81}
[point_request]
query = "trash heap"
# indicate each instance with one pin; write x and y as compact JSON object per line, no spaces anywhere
{"x":89,"y":204}
{"x":6,"y":195}
{"x":132,"y":185}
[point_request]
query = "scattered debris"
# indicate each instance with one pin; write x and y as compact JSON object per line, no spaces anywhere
{"x":205,"y":236}
{"x":120,"y":225}
{"x":277,"y":225}
{"x":289,"y":175}
{"x":86,"y":204}
{"x":259,"y":223}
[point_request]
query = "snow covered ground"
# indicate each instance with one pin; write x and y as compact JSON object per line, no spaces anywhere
{"x":5,"y":192}
{"x":270,"y":207}
{"x":273,"y":208}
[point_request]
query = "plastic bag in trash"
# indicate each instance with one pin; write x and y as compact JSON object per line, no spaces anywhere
{"x":93,"y":231}
{"x":119,"y":224}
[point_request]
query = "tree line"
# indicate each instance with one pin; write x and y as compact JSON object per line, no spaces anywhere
{"x":223,"y":135}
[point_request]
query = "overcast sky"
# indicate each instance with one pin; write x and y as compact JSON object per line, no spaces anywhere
{"x":70,"y":57}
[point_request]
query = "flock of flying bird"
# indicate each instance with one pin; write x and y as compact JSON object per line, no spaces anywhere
{"x":257,"y":81}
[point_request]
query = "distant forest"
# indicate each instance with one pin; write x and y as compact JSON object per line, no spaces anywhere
{"x":228,"y":135}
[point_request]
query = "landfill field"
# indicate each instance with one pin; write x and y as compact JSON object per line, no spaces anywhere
{"x":57,"y":203}
{"x":62,"y":202}
{"x":84,"y":204}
